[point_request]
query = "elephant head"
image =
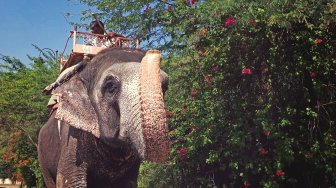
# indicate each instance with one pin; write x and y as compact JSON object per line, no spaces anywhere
{"x":120,"y":101}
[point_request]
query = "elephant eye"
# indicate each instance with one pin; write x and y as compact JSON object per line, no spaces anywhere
{"x":111,"y":85}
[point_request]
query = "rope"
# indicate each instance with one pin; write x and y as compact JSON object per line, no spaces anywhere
{"x":66,"y":44}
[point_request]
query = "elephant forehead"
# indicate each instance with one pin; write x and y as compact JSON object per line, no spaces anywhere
{"x":126,"y":73}
{"x":123,"y":70}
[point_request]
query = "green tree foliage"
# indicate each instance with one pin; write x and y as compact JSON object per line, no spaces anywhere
{"x":22,"y":112}
{"x":252,"y":93}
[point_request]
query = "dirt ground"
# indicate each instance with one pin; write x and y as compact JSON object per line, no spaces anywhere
{"x":9,"y":186}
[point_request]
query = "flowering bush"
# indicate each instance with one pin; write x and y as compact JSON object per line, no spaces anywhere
{"x":18,"y":158}
{"x":258,"y":86}
{"x":252,"y":89}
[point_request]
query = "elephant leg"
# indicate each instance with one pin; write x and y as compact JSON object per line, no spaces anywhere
{"x":130,"y":178}
{"x":71,"y":176}
{"x":48,"y":180}
{"x":71,"y":171}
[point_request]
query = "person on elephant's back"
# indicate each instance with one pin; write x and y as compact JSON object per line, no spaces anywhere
{"x":97,"y":27}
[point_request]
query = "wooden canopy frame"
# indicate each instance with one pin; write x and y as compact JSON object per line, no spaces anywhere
{"x":80,"y":50}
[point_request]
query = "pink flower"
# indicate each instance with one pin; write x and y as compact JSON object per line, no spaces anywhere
{"x":267,"y":132}
{"x":194,"y":92}
{"x":203,"y":32}
{"x":170,"y":9}
{"x":263,"y":152}
{"x":312,"y":74}
{"x":147,"y":10}
{"x":264,"y":70}
{"x":246,"y":71}
{"x":192,"y":127}
{"x":280,"y":173}
{"x":182,"y":152}
{"x":318,"y":41}
{"x":214,"y":14}
{"x":184,"y":109}
{"x":265,"y":88}
{"x":202,"y":53}
{"x":252,"y":22}
{"x":207,"y":78}
{"x":181,"y":139}
{"x":215,"y":69}
{"x":190,"y":2}
{"x":246,"y":184}
{"x":230,"y":21}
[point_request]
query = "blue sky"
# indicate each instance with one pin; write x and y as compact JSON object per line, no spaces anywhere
{"x":39,"y":22}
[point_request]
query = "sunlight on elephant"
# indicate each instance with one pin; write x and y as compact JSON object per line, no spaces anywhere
{"x":112,"y":117}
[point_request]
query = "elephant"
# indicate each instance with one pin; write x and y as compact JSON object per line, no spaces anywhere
{"x":110,"y":117}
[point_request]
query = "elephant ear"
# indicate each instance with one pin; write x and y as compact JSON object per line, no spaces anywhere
{"x":75,"y":107}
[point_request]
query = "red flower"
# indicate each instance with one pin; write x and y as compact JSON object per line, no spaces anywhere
{"x":263,"y":152}
{"x":182,"y":152}
{"x":265,"y":88}
{"x":246,"y":184}
{"x":280,"y":173}
{"x":207,"y":78}
{"x":246,"y":71}
{"x":194,"y":92}
{"x":210,"y":126}
{"x":203,"y":32}
{"x":318,"y":41}
{"x":312,"y":74}
{"x":192,"y":127}
{"x":267,"y":132}
{"x":252,"y":22}
{"x":190,"y":2}
{"x":170,"y":9}
{"x":181,"y":139}
{"x":169,"y":114}
{"x":230,"y":21}
{"x":5,"y":157}
{"x":184,"y":109}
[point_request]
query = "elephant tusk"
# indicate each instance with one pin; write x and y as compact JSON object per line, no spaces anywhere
{"x":59,"y":128}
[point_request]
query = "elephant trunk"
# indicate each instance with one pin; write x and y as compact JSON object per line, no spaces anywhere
{"x":153,"y":116}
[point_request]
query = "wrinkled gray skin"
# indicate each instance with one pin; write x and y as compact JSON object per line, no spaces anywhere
{"x":77,"y":158}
